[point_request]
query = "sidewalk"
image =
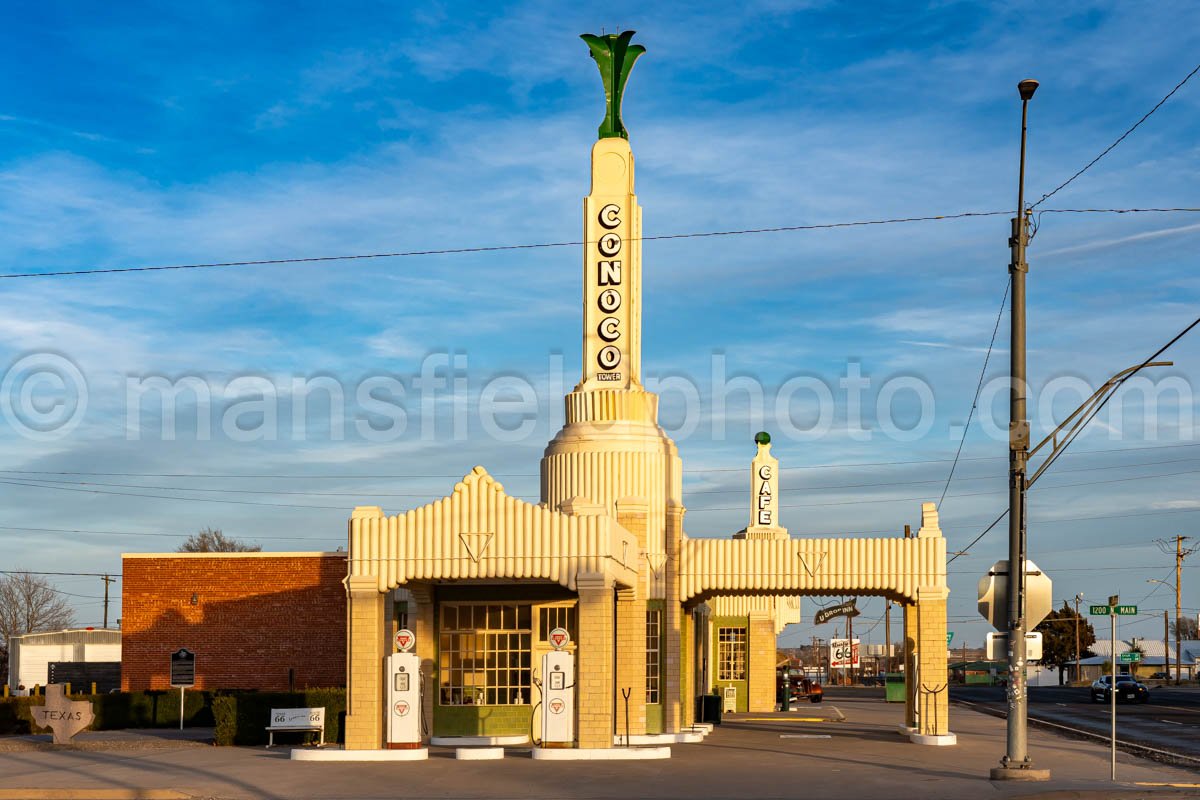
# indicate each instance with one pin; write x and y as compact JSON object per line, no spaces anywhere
{"x":745,"y":758}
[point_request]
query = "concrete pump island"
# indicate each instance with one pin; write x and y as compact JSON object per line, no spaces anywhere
{"x":591,"y":620}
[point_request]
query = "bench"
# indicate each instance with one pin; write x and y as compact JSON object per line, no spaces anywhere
{"x":296,"y":719}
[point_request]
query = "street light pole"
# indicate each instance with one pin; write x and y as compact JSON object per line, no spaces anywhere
{"x":1016,"y":762}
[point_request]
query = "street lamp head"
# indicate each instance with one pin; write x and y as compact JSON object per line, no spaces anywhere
{"x":1027,"y":87}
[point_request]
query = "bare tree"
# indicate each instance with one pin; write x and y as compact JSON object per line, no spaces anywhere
{"x":212,"y":540}
{"x":1185,"y":628}
{"x":28,"y":604}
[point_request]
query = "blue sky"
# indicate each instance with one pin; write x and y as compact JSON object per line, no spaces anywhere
{"x":142,"y":135}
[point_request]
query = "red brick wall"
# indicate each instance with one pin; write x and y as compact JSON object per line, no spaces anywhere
{"x":255,"y":617}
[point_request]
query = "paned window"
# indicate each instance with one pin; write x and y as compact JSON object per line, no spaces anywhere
{"x":654,"y":618}
{"x":731,"y":654}
{"x":485,"y":654}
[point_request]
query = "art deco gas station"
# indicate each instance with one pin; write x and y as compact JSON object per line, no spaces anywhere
{"x":592,"y":615}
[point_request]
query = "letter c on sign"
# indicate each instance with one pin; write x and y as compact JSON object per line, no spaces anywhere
{"x":608,"y":330}
{"x":764,"y":472}
{"x":609,"y":357}
{"x":610,"y":216}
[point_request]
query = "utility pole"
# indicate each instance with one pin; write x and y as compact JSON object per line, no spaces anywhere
{"x":107,"y":580}
{"x":1180,"y":554}
{"x":1016,"y":762}
{"x":1078,"y":598}
{"x":1167,"y":641}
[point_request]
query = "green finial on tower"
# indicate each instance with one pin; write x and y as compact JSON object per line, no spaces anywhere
{"x":762,"y":437}
{"x":614,"y":56}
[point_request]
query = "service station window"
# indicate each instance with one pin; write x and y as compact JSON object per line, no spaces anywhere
{"x":654,"y":655}
{"x":485,"y":654}
{"x":731,"y":654}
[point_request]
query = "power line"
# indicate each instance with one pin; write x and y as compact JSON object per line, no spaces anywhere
{"x":496,"y":248}
{"x":81,"y":574}
{"x":1079,"y":429}
{"x":1120,"y":139}
{"x":363,"y":493}
{"x":545,"y":245}
{"x":509,"y":475}
{"x":975,"y":401}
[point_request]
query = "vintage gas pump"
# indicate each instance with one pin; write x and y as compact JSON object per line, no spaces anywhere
{"x":558,"y":692}
{"x":404,"y":695}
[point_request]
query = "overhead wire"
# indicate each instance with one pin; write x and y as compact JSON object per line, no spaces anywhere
{"x":975,"y":401}
{"x":1120,"y":139}
{"x":545,"y":245}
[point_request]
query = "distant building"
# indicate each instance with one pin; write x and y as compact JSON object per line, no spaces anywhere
{"x":77,"y":656}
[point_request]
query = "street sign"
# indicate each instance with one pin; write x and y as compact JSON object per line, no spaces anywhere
{"x":843,"y":654}
{"x":993,"y":595}
{"x":1099,"y":611}
{"x":1125,"y":611}
{"x":183,"y":668}
{"x":405,"y":639}
{"x":1130,"y":657}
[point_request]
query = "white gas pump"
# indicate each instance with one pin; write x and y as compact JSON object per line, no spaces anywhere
{"x":404,"y":696}
{"x":558,"y":693}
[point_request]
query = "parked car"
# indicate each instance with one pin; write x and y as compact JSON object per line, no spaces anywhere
{"x":801,"y":688}
{"x":1128,"y":690}
{"x":1160,"y":676}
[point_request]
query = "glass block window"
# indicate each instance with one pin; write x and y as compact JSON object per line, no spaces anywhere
{"x":485,"y":652}
{"x":654,"y":618}
{"x":731,"y":654}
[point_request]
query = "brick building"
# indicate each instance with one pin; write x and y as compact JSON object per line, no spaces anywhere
{"x":251,"y":618}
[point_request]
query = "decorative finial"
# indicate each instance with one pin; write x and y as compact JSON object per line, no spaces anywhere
{"x":762,"y":437}
{"x":615,"y":57}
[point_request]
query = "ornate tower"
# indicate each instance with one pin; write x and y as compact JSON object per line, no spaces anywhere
{"x":612,"y":447}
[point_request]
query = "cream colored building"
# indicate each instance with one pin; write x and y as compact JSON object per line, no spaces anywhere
{"x":482,"y":577}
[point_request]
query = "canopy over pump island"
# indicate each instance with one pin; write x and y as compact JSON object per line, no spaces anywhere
{"x":548,"y":621}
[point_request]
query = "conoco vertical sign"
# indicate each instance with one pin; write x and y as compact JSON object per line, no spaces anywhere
{"x":612,"y":270}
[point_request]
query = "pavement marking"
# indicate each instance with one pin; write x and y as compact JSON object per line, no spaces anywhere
{"x":1173,"y":785}
{"x":805,"y":736}
{"x":788,"y":719}
{"x":1170,"y":722}
{"x":92,"y":794}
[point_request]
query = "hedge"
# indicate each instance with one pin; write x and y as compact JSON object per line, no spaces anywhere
{"x":241,"y":718}
{"x":149,"y":709}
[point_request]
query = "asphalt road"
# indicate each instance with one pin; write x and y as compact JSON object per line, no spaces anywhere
{"x":1169,"y":721}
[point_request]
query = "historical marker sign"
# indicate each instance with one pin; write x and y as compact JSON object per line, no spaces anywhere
{"x":183,"y":668}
